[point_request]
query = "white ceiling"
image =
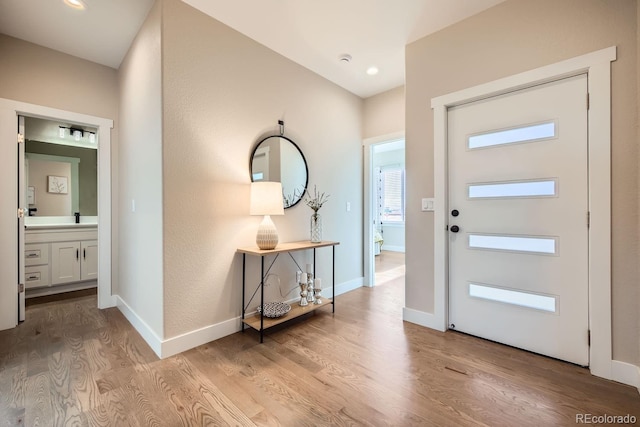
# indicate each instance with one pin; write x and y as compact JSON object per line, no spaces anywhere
{"x":312,"y":33}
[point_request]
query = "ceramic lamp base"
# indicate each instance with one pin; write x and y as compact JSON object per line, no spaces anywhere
{"x":267,"y":237}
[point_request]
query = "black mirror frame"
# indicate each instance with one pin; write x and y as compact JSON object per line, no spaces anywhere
{"x":304,"y":160}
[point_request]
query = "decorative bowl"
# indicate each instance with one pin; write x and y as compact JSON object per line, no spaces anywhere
{"x":275,"y":309}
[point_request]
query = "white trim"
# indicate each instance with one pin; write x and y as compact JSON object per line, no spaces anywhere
{"x":369,"y":247}
{"x":421,"y":318}
{"x":626,"y":373}
{"x":140,"y":325}
{"x":343,"y":288}
{"x":16,"y":108}
{"x":192,"y":339}
{"x":597,"y":66}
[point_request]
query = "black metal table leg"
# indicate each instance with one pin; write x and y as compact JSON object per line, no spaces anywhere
{"x":261,"y":299}
{"x":244,"y":262}
{"x":333,"y":292}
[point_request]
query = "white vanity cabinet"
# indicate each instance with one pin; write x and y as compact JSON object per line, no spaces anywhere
{"x":60,"y":259}
{"x":36,"y":261}
{"x":89,"y":260}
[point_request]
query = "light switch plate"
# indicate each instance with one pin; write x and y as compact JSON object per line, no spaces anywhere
{"x":428,"y":205}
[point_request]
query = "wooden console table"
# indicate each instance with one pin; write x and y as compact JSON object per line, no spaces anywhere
{"x":258,"y":321}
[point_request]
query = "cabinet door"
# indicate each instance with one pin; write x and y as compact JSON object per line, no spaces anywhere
{"x":89,"y":269}
{"x":65,"y":262}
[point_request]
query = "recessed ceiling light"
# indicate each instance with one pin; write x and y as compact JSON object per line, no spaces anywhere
{"x":372,"y":71}
{"x":76,"y":4}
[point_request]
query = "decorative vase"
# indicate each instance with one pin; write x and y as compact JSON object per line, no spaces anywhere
{"x":316,"y":228}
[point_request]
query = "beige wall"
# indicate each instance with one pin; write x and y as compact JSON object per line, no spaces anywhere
{"x":384,"y":113}
{"x":43,"y":76}
{"x":222,"y":93}
{"x":516,"y":36}
{"x":140,"y":274}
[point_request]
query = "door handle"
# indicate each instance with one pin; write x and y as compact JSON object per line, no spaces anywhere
{"x":454,"y":228}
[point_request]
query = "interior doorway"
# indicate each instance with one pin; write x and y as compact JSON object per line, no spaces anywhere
{"x":10,"y":285}
{"x":58,"y":192}
{"x":384,"y":208}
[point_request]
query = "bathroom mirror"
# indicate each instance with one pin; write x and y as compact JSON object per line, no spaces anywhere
{"x":277,"y":158}
{"x":51,"y":155}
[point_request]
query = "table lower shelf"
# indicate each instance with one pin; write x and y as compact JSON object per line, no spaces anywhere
{"x":296,"y":311}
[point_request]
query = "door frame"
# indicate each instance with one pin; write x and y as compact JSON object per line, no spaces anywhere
{"x":597,"y":66}
{"x":369,"y":199}
{"x":9,"y":112}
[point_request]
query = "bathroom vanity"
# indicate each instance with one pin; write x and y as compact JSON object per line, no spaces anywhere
{"x":60,"y":257}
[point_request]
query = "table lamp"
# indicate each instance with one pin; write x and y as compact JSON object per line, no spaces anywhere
{"x":266,"y":199}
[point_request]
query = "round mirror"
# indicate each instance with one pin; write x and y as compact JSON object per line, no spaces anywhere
{"x":277,"y":158}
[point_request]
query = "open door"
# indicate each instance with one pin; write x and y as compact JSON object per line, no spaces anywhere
{"x":22,"y":209}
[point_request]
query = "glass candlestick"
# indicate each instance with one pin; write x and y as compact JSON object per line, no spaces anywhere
{"x":317,"y":288}
{"x":303,"y":290}
{"x":310,"y":296}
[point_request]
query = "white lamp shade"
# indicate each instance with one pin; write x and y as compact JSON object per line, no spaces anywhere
{"x":266,"y":198}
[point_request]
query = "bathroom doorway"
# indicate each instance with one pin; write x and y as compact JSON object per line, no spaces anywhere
{"x":59,"y":195}
{"x":11,"y":242}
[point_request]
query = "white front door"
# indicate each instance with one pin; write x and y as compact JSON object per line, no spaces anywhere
{"x":518,"y":219}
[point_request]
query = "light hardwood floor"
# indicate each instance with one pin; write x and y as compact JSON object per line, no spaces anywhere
{"x":389,"y":265}
{"x":71,"y":364}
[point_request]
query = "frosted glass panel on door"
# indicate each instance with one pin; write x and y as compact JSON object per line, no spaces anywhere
{"x":527,"y":133}
{"x":546,"y":188}
{"x":508,"y":296}
{"x":542,"y":245}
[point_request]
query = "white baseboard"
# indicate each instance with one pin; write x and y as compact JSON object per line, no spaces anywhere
{"x":345,"y":287}
{"x":141,"y":326}
{"x":200,"y":336}
{"x":393,"y":248}
{"x":625,"y":373}
{"x":110,"y":301}
{"x":178,"y":344}
{"x":422,"y":318}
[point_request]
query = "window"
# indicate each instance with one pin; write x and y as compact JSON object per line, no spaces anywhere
{"x":391,"y":198}
{"x":546,"y":188}
{"x":528,"y":133}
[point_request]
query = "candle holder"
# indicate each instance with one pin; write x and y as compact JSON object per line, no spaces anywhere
{"x":303,"y":290}
{"x":317,"y":288}
{"x":310,"y":294}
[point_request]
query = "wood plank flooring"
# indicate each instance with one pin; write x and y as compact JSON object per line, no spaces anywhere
{"x":71,"y":364}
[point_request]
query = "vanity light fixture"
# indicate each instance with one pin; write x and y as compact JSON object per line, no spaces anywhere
{"x":77,"y":134}
{"x":75,"y":4}
{"x":266,"y":199}
{"x":61,"y":131}
{"x":92,"y":137}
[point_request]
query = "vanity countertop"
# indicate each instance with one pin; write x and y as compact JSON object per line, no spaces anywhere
{"x":59,"y":222}
{"x":58,"y":226}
